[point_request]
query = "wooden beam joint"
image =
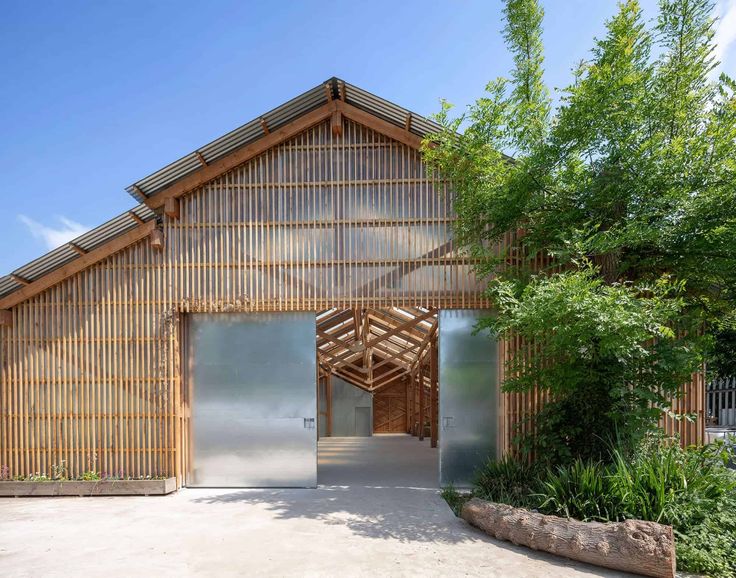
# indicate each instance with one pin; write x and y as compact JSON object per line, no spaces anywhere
{"x":78,"y":249}
{"x":171,"y":208}
{"x":264,"y":126}
{"x":136,"y":218}
{"x":157,"y":239}
{"x":18,"y":279}
{"x":336,"y":123}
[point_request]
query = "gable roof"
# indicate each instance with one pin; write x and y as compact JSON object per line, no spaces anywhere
{"x":199,"y":166}
{"x":321,"y":95}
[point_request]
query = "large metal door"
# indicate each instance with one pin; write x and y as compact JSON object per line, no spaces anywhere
{"x":468,"y":373}
{"x":253,"y":380}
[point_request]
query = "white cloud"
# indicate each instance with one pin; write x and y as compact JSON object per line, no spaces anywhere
{"x":53,"y":237}
{"x":726,"y":28}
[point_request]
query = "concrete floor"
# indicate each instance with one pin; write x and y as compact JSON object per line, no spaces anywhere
{"x":376,"y":513}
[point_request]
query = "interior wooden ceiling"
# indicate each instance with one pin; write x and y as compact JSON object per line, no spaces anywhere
{"x":372,"y":348}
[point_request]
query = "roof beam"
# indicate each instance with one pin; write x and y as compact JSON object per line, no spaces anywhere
{"x":241,"y":155}
{"x":378,"y":124}
{"x":77,"y":265}
{"x":200,"y":158}
{"x":264,"y":126}
{"x":78,"y":249}
{"x":276,"y":137}
{"x":400,"y":328}
{"x":136,"y":218}
{"x":19,"y":279}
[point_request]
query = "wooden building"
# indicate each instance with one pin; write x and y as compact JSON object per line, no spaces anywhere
{"x":322,"y":205}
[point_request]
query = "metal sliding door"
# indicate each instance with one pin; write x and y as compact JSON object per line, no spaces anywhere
{"x":468,"y":372}
{"x":253,"y":380}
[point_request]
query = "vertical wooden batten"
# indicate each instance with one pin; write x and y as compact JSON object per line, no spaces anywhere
{"x":93,"y":356}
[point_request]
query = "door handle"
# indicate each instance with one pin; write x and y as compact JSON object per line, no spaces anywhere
{"x":448,"y":422}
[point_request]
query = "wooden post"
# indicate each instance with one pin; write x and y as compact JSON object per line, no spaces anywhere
{"x":434,"y":390}
{"x":328,"y":397}
{"x":420,"y":375}
{"x":407,"y":414}
{"x":410,"y":383}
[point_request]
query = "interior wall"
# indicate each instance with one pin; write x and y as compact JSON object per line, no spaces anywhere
{"x":389,"y":409}
{"x":351,"y":406}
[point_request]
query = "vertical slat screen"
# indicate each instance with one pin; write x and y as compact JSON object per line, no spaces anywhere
{"x":90,"y":370}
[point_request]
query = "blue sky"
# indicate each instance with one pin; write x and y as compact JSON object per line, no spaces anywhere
{"x":96,"y":95}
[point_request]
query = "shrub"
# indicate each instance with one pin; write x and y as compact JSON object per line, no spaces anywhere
{"x":507,"y":481}
{"x":692,"y":489}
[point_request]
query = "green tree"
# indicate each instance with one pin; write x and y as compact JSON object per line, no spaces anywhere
{"x":627,"y":186}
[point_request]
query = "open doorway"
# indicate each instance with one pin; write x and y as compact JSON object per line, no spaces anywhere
{"x":378,"y":395}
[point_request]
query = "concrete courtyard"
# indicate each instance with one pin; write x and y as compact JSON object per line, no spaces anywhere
{"x":377,"y":512}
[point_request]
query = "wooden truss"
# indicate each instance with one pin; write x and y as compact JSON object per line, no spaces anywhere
{"x":373,"y":348}
{"x":384,"y":349}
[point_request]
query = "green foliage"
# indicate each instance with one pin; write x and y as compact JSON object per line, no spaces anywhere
{"x":38,"y":477}
{"x":708,"y":547}
{"x":529,"y":98}
{"x":627,"y":191}
{"x":59,"y":471}
{"x":454,"y":498}
{"x":690,"y":489}
{"x":507,"y":481}
{"x":608,"y":354}
{"x":579,"y":490}
{"x":723,"y":359}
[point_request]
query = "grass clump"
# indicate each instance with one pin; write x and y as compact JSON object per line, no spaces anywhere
{"x":454,"y":498}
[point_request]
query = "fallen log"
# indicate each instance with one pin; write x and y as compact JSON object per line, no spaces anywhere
{"x":645,"y":548}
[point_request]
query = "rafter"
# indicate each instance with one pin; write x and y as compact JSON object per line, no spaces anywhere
{"x":78,"y":264}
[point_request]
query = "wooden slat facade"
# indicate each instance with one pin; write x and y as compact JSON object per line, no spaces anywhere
{"x":90,"y":368}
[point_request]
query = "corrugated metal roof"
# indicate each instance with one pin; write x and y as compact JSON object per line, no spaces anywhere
{"x":287,"y":112}
{"x":65,"y":254}
{"x":244,"y":135}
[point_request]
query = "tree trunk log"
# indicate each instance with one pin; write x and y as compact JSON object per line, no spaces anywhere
{"x":636,"y":546}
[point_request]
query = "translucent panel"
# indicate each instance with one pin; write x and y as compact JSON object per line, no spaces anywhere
{"x":468,"y":375}
{"x":254,"y":400}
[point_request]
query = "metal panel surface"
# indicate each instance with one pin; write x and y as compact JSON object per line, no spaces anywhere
{"x":253,"y":380}
{"x":468,"y":373}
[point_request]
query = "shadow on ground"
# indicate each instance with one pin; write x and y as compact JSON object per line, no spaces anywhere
{"x":395,"y":513}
